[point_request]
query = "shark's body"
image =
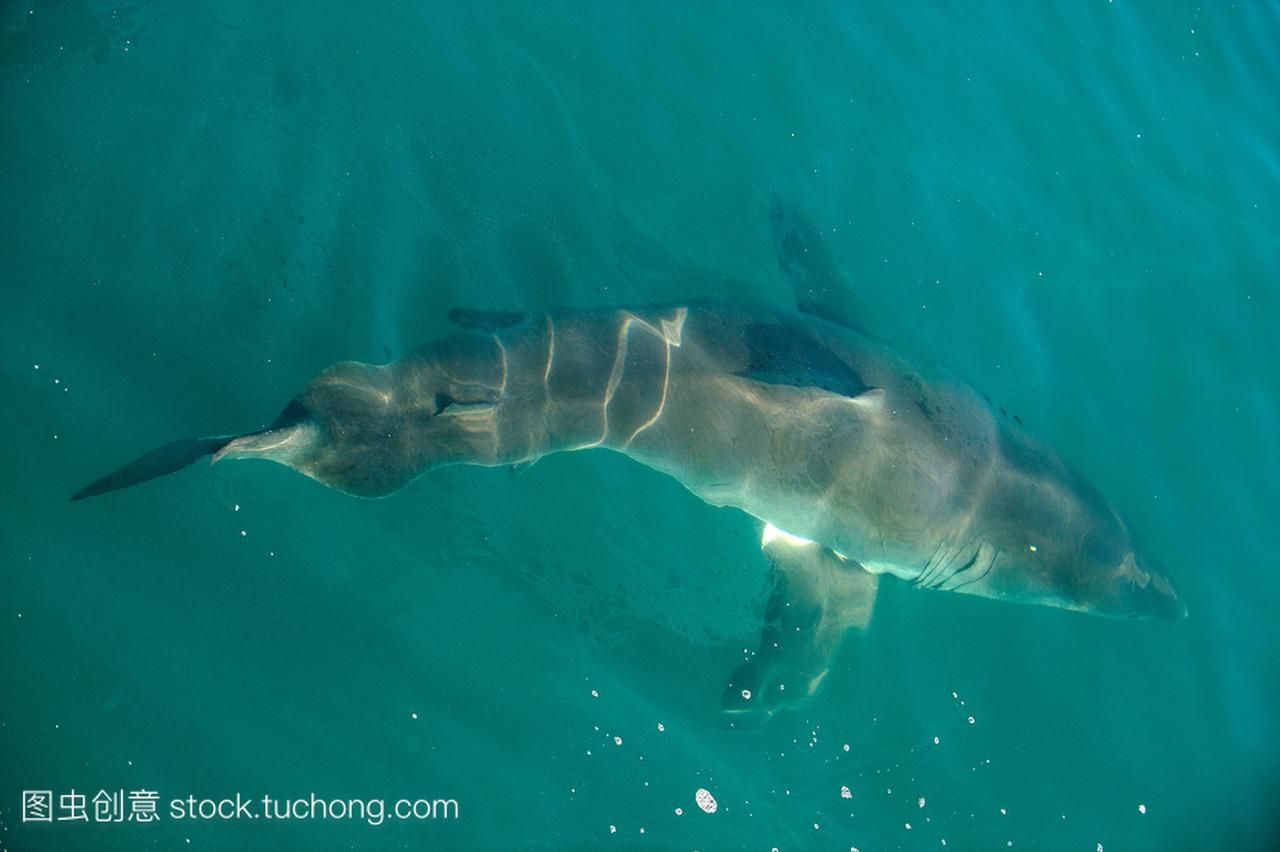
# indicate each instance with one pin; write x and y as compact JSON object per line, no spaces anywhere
{"x":857,"y":465}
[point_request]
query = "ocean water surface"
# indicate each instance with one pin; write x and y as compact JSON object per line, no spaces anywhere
{"x":1074,"y":209}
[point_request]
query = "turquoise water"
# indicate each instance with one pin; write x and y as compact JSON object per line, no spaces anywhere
{"x":1074,"y":209}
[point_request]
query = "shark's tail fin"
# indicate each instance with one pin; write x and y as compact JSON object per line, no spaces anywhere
{"x":817,"y":596}
{"x":166,"y":459}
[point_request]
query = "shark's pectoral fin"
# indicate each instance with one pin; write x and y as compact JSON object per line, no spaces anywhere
{"x":816,"y":597}
{"x":521,"y":466}
{"x":821,"y":288}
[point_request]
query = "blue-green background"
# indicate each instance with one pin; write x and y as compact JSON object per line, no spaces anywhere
{"x":1072,"y":207}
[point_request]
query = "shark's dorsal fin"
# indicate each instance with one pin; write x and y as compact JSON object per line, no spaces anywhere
{"x":788,"y":354}
{"x":872,"y":398}
{"x":817,"y":596}
{"x":820,"y":288}
{"x":485,"y":320}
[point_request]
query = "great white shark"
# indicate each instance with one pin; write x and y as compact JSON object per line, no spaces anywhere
{"x":856,"y":464}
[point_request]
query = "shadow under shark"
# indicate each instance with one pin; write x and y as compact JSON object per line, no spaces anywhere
{"x":856,"y":465}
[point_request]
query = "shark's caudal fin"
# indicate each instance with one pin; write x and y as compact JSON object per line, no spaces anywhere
{"x":821,"y":289}
{"x":171,"y":457}
{"x":816,"y":597}
{"x":176,"y":455}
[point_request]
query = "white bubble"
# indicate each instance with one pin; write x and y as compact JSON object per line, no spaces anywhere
{"x":921,"y":801}
{"x":1142,"y":809}
{"x":617,"y":741}
{"x":413,"y":715}
{"x":846,"y":746}
{"x":613,"y":829}
{"x":705,"y":800}
{"x":846,"y":793}
{"x":936,"y":740}
{"x":679,"y":811}
{"x":661,"y":727}
{"x":971,"y":720}
{"x":595,"y":694}
{"x":908,"y":825}
{"x":746,"y":695}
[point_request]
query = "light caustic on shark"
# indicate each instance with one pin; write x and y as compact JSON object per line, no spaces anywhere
{"x":856,"y":465}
